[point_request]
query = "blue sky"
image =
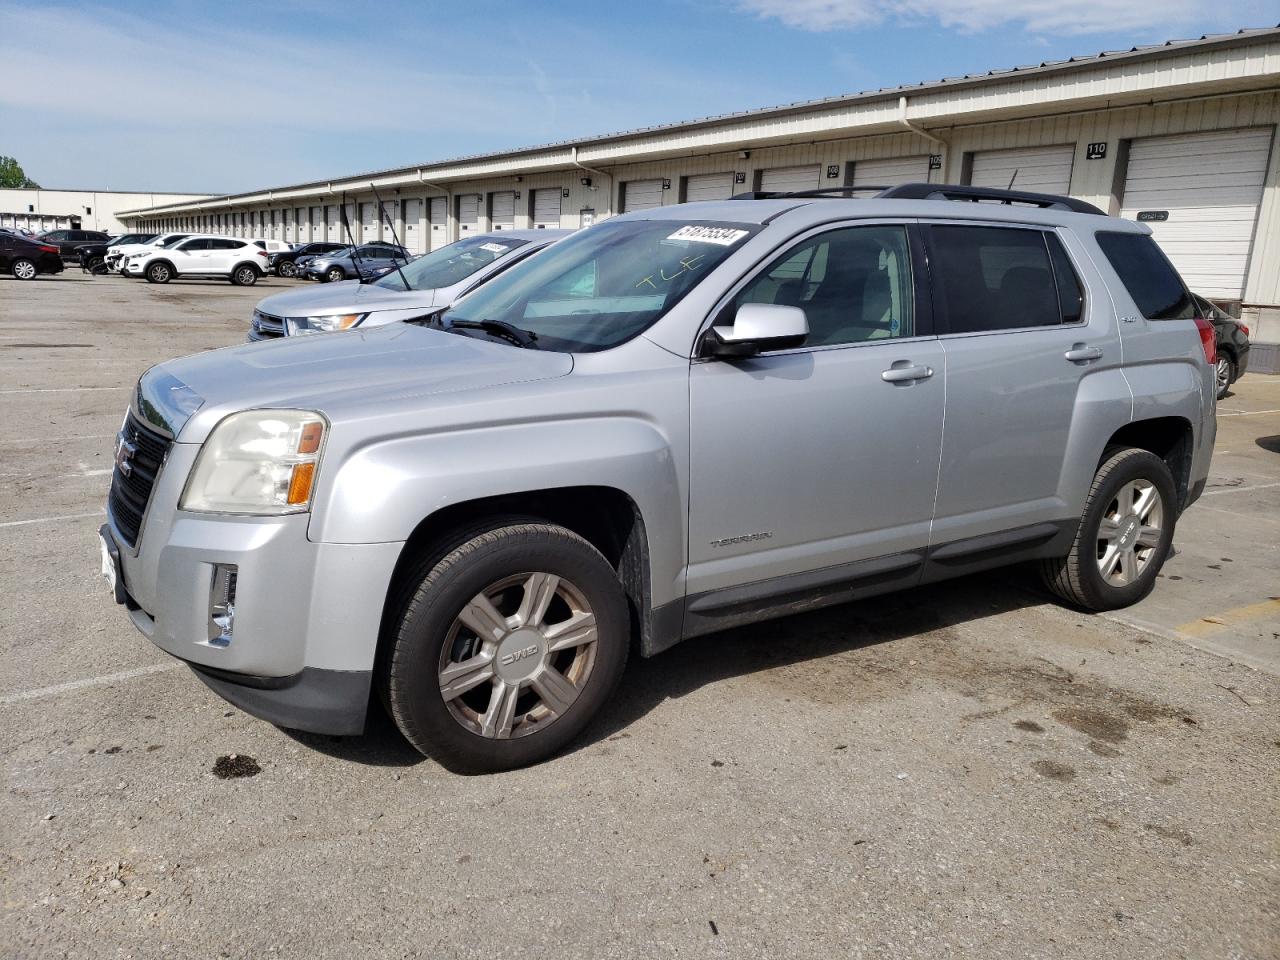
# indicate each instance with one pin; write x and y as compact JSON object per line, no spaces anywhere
{"x":224,"y":96}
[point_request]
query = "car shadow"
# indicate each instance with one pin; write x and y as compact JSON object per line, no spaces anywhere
{"x":702,"y":661}
{"x":1271,"y":444}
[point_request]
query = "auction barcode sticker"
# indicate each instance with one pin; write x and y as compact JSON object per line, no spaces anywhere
{"x":493,"y":247}
{"x":722,"y":236}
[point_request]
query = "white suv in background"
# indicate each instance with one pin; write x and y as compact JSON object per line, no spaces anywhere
{"x":271,"y":246}
{"x":240,"y":261}
{"x":116,"y":256}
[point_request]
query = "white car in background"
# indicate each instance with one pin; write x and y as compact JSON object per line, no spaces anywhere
{"x":240,"y":261}
{"x":271,"y":246}
{"x":116,"y":256}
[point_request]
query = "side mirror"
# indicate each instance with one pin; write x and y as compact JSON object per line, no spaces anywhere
{"x":757,"y":327}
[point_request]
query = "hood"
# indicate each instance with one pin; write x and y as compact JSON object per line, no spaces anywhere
{"x":349,"y":296}
{"x":337,"y":374}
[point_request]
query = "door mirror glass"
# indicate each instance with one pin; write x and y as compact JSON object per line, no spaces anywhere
{"x":757,"y":327}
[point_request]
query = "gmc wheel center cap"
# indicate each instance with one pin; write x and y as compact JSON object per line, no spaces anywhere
{"x":519,"y":655}
{"x":1129,"y":527}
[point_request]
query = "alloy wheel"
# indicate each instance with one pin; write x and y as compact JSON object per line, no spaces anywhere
{"x":1222,"y":373}
{"x":1129,"y":532}
{"x":518,"y":655}
{"x":24,"y":270}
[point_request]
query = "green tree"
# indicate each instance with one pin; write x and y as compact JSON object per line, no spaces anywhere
{"x":12,"y":175}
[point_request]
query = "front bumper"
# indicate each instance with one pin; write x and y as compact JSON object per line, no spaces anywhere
{"x":307,"y":615}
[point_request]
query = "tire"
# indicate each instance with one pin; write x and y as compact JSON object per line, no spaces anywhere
{"x":1116,"y":501}
{"x":287,"y":269}
{"x":335,"y":275}
{"x":24,"y":269}
{"x":95,"y":263}
{"x":1224,"y":373}
{"x":245,"y":275}
{"x":158,"y":272}
{"x":521,"y":702}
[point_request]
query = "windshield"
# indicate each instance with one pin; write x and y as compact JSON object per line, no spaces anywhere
{"x":603,"y":286}
{"x":451,"y":264}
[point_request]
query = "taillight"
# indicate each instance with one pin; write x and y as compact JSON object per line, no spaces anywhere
{"x":45,"y":248}
{"x":263,"y":253}
{"x":1207,"y":340}
{"x":1243,"y":329}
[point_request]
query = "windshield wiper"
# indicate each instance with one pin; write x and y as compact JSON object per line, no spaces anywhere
{"x":499,"y":328}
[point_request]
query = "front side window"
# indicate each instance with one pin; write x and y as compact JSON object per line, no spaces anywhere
{"x":998,"y":278}
{"x":451,"y":264}
{"x":854,"y":284}
{"x":604,"y":285}
{"x":1156,"y":288}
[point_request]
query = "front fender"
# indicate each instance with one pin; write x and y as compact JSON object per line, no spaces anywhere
{"x":382,"y":491}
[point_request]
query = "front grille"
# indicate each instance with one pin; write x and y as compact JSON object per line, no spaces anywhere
{"x":130,"y":492}
{"x":266,"y":325}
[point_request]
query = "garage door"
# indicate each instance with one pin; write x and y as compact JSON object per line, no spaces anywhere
{"x":412,"y":238}
{"x":317,"y":223}
{"x":468,"y":212}
{"x":1209,"y":186}
{"x":891,"y":172}
{"x":1038,"y":169}
{"x":641,"y":195}
{"x":790,"y":179}
{"x":708,"y":186}
{"x":368,"y":222}
{"x":546,"y":208}
{"x":504,"y":210}
{"x":334,"y":228}
{"x":437,"y":213}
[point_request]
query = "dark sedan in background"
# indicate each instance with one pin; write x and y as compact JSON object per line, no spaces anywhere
{"x":1232,"y":339}
{"x":25,"y":258}
{"x":286,"y":264}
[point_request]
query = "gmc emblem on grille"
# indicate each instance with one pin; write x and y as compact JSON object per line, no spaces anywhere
{"x":124,"y":456}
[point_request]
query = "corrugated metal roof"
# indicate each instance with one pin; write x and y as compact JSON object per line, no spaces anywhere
{"x":1146,"y":51}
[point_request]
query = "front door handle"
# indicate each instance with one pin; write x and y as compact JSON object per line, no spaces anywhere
{"x":1080,"y":353}
{"x":906,"y":374}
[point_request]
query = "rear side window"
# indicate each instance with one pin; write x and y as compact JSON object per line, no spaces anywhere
{"x":1001,"y":278}
{"x":1156,"y":288}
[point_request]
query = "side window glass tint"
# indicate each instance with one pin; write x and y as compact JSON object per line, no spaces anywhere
{"x":854,"y":284}
{"x":1147,"y":274}
{"x":1070,"y":289}
{"x":993,"y":278}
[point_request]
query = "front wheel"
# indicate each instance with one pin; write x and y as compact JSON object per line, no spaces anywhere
{"x":335,"y":275}
{"x":159,"y":273}
{"x":287,"y":269}
{"x":1224,"y":373}
{"x":244,"y":276}
{"x":24,"y":269}
{"x":1123,"y":537}
{"x":506,"y":647}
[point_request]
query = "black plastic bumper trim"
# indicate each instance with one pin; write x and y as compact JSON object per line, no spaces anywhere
{"x":318,"y":701}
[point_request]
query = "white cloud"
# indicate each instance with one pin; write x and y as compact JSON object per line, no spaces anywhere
{"x":1037,"y":16}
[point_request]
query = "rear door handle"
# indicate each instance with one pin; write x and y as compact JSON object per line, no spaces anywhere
{"x":906,"y":374}
{"x":1080,"y":353}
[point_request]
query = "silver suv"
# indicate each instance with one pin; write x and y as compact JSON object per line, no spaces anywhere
{"x":677,"y":421}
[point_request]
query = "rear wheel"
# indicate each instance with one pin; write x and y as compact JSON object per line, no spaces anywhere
{"x":506,"y":647}
{"x":1224,"y":373}
{"x":244,"y":275}
{"x":1123,"y":537}
{"x":159,"y":273}
{"x":24,"y":269}
{"x":335,"y":275}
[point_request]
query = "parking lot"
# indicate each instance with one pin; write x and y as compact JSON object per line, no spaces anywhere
{"x":967,"y":770}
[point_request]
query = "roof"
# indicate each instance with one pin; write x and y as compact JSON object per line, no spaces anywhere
{"x":1148,"y":51}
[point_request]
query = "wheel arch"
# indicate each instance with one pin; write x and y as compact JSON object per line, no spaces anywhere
{"x":606,"y":517}
{"x":173,"y":271}
{"x":1171,"y":438}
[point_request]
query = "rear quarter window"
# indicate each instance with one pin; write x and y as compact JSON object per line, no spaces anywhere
{"x":1156,"y":289}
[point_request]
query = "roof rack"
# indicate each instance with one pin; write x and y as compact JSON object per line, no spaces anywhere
{"x":937,"y":191}
{"x":946,"y":191}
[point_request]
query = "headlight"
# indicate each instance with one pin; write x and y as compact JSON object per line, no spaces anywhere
{"x":325,"y":324}
{"x":259,"y":462}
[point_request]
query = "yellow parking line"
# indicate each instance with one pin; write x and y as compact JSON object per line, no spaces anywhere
{"x":1208,"y":625}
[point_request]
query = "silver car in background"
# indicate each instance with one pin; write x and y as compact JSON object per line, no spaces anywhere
{"x":429,"y":283}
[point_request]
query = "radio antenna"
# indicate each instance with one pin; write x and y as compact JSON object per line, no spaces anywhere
{"x":391,"y":224}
